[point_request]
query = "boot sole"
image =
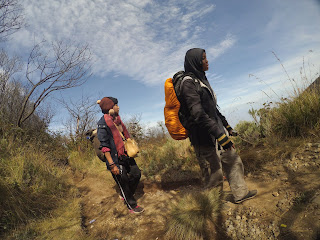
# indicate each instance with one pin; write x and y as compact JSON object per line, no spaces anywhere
{"x":245,"y":199}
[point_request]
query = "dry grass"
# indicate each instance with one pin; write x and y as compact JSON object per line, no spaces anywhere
{"x":175,"y":155}
{"x":34,"y":187}
{"x":297,"y":117}
{"x":64,"y":222}
{"x":254,"y":158}
{"x":85,"y":161}
{"x":280,"y":128}
{"x":193,"y":217}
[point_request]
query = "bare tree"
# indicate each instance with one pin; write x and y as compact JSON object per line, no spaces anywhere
{"x":11,"y":18}
{"x":8,"y":67}
{"x":10,"y":89}
{"x":134,"y":127}
{"x":50,"y":69}
{"x":156,"y":133}
{"x":83,"y":115}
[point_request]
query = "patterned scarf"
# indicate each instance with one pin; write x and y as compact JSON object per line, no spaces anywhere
{"x":111,"y":123}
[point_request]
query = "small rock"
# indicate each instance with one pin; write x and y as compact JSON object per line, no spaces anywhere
{"x":316,"y":200}
{"x":275,"y":194}
{"x":92,"y":221}
{"x":308,"y":145}
{"x":157,"y":178}
{"x":238,"y":217}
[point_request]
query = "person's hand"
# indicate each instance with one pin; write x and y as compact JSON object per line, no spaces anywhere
{"x":230,"y":148}
{"x":115,"y":170}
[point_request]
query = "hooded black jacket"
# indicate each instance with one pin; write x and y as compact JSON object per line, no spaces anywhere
{"x":204,"y":122}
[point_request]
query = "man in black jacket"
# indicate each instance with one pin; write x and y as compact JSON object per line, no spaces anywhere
{"x":206,"y":126}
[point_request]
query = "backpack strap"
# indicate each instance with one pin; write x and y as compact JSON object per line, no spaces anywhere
{"x":196,"y":80}
{"x":184,"y":79}
{"x":213,"y":95}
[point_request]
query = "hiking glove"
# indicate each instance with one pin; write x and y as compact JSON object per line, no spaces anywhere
{"x":231,"y":132}
{"x":229,"y":128}
{"x":224,"y":141}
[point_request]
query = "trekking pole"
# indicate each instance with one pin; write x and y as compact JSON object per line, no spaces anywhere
{"x":124,"y":196}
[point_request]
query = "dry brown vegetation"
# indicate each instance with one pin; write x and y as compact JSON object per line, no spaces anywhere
{"x":54,"y":187}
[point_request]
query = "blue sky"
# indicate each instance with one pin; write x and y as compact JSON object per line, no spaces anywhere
{"x":137,"y":44}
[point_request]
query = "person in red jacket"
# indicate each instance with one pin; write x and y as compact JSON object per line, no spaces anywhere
{"x":206,"y":126}
{"x":124,"y":169}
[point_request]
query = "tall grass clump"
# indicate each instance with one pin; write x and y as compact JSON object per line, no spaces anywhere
{"x":193,"y":216}
{"x":278,"y":128}
{"x":63,"y":223}
{"x":83,"y":159}
{"x":31,"y":186}
{"x":34,"y":182}
{"x":296,"y":117}
{"x":174,"y":155}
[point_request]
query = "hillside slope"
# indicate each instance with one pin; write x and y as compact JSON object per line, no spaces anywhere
{"x":287,"y":205}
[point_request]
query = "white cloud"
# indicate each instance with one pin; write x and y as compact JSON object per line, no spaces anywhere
{"x":145,"y":40}
{"x":224,"y":45}
{"x":268,"y":85}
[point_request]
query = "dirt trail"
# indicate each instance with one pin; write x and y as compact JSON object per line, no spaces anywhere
{"x":287,"y":205}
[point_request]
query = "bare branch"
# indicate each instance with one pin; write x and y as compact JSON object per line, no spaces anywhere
{"x":10,"y":90}
{"x":53,"y":68}
{"x":8,"y":67}
{"x":82,"y":113}
{"x":11,"y":19}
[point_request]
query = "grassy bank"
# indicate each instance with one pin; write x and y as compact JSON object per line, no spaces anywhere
{"x":38,"y":199}
{"x":280,"y":128}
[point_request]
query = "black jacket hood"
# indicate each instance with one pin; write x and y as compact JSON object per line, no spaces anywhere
{"x":193,"y":62}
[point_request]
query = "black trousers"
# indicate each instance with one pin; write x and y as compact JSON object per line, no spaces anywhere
{"x":128,"y":180}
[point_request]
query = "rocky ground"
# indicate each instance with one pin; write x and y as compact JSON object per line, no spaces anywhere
{"x":287,"y":205}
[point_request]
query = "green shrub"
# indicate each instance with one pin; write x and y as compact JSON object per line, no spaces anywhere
{"x":249,"y":133}
{"x":172,"y":155}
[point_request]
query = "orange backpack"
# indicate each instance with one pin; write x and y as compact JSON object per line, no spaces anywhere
{"x":171,"y":109}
